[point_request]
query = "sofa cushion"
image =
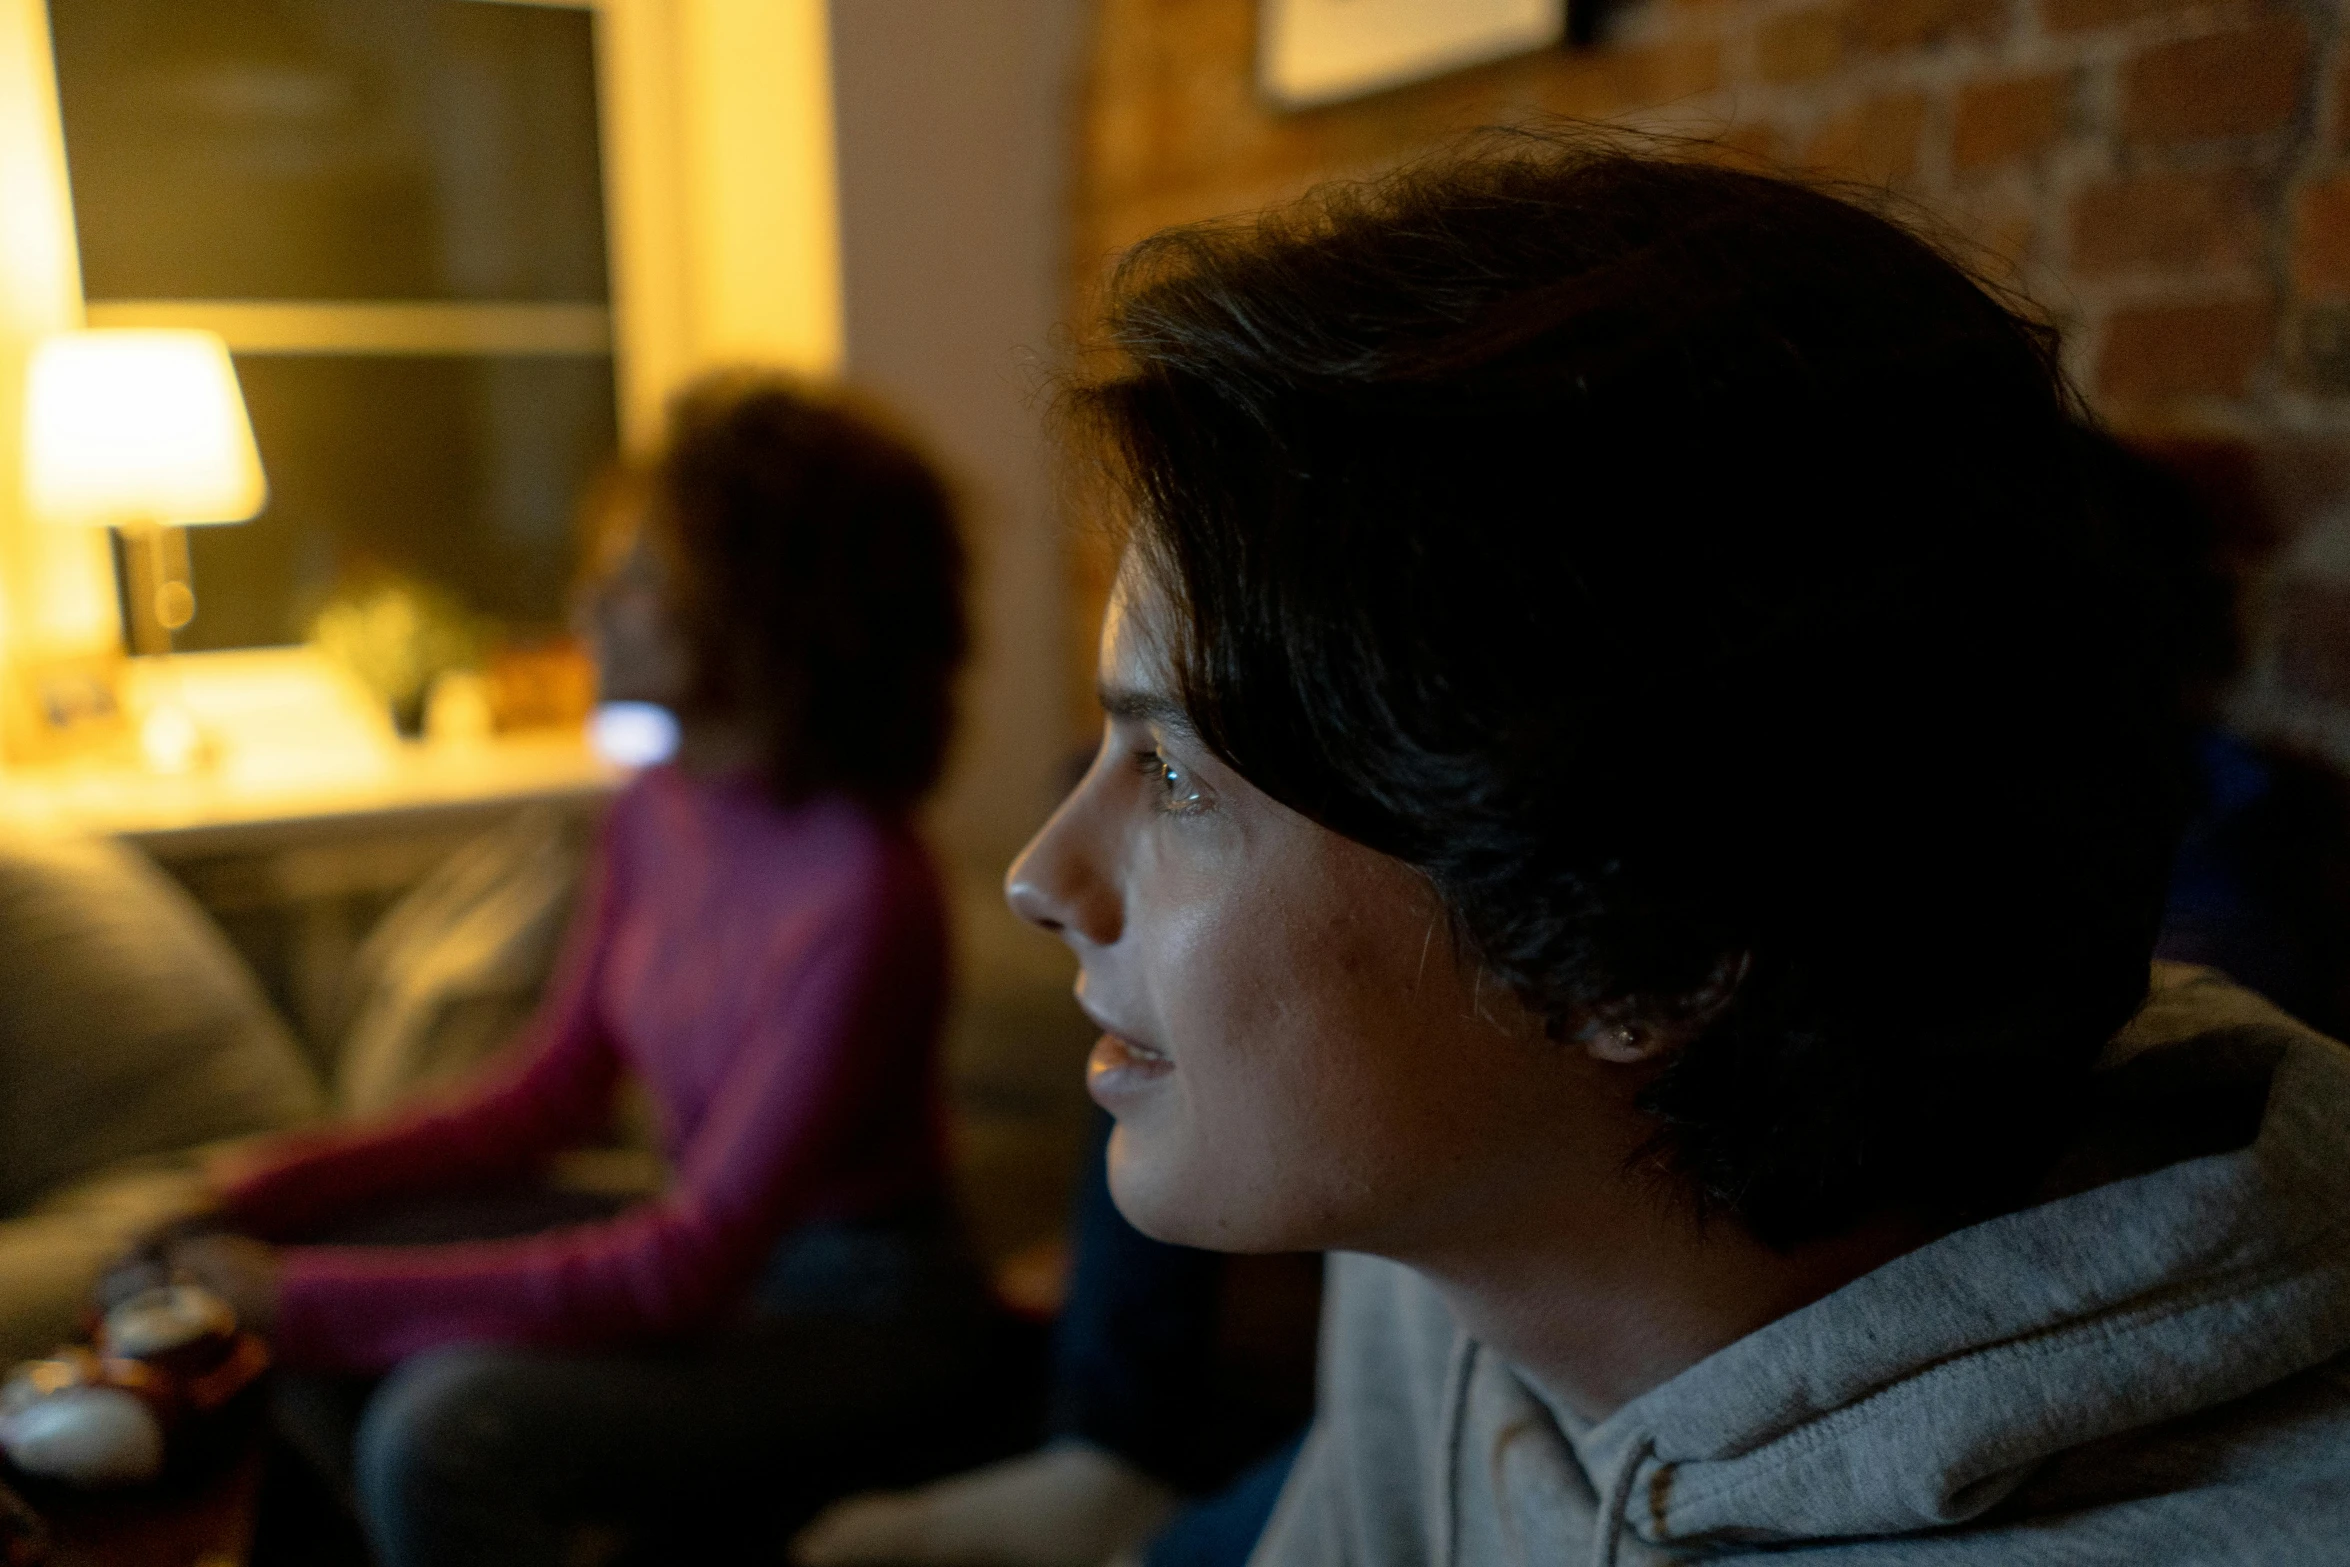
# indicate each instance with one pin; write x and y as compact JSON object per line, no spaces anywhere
{"x":454,"y":970}
{"x":128,"y":1025}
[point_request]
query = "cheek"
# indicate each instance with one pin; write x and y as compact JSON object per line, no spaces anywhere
{"x":1310,"y":1091}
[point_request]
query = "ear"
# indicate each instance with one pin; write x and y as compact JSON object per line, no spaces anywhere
{"x":1702,"y":1005}
{"x":1643,"y":1030}
{"x":1623,"y":1039}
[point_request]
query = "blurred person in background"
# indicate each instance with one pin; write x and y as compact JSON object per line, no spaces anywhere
{"x":763,"y":948}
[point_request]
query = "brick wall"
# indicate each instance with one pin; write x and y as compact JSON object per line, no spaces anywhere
{"x":2170,"y":181}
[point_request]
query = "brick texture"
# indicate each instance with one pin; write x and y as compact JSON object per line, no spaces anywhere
{"x":2321,"y":240}
{"x":2189,"y":225}
{"x":2172,"y":177}
{"x":1799,"y":44}
{"x":1883,"y":26}
{"x":2313,"y":653}
{"x":2338,"y":99}
{"x":2073,"y":16}
{"x":2157,"y":354}
{"x":1876,"y":141}
{"x":2322,"y":338}
{"x":2006,"y":121}
{"x":2241,"y":83}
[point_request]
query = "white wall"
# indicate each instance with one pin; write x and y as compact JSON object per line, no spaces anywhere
{"x":56,"y":584}
{"x":718,"y":171}
{"x":952,"y":130}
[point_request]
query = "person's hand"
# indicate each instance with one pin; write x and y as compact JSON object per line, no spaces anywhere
{"x":239,"y":1269}
{"x":135,"y":1272}
{"x":145,"y":1263}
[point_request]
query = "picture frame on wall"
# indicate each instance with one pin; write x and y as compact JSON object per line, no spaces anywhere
{"x":1312,"y":52}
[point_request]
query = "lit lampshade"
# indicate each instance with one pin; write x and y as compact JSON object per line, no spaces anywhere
{"x":138,"y":427}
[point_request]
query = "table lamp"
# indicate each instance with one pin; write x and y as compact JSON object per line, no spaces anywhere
{"x":143,"y":432}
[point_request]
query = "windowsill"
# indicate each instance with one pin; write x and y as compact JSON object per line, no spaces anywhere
{"x":294,"y":748}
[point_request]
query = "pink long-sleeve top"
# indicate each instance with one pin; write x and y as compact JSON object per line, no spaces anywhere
{"x":773,"y":977}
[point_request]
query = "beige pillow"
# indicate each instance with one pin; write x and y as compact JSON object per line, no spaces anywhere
{"x":128,"y":1025}
{"x":453,"y":971}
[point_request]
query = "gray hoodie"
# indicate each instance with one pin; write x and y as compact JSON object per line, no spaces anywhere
{"x":2151,"y":1366}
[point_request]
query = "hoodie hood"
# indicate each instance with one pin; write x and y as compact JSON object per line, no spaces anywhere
{"x":2198,"y":1250}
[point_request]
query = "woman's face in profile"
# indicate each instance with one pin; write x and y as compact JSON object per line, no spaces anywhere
{"x":1295,"y":1056}
{"x":624,"y":613}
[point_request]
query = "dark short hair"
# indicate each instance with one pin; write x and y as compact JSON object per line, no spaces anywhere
{"x":1680,"y":566}
{"x":819,"y":575}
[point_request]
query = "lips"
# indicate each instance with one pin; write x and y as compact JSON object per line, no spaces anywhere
{"x":1119,"y":1068}
{"x":1133,"y":1053}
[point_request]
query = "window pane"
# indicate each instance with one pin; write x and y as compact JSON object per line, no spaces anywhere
{"x":459,"y":471}
{"x":332,"y":149}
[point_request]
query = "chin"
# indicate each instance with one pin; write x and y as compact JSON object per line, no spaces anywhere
{"x":1183,"y":1203}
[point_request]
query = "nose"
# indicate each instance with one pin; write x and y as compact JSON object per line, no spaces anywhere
{"x":1063,"y":881}
{"x":584,"y":608}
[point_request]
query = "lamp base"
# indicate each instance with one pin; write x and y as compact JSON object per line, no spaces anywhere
{"x":158,"y":597}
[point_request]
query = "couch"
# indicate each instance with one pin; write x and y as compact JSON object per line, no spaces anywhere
{"x":132,"y":1039}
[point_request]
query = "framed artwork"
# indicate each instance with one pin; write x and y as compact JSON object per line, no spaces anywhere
{"x":1324,"y":51}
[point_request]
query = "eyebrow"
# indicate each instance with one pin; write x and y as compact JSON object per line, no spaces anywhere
{"x":1143,"y":707}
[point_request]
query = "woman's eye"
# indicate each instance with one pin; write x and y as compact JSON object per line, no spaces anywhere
{"x":1177,"y":794}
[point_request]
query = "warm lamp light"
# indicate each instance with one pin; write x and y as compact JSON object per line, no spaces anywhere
{"x":143,"y":431}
